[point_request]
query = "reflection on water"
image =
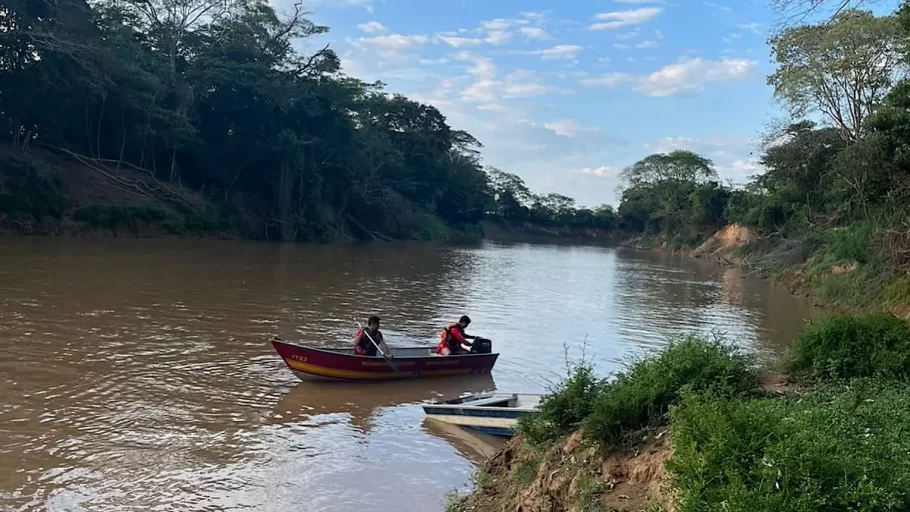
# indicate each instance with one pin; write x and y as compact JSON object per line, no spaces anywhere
{"x":137,"y":374}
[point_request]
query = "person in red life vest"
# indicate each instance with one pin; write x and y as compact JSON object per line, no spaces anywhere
{"x":453,"y":337}
{"x":362,"y":344}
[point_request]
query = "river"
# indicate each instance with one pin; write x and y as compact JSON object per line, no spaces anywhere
{"x":137,"y":374}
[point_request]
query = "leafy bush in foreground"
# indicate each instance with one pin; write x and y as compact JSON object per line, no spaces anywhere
{"x":641,"y":396}
{"x":838,"y":448}
{"x":564,"y":409}
{"x":846,"y":347}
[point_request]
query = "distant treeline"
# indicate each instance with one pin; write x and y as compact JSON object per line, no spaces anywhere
{"x":210,"y":96}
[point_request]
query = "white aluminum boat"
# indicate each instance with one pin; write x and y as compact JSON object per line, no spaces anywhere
{"x":494,"y":413}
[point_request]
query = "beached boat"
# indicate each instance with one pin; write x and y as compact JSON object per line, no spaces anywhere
{"x":316,"y":363}
{"x":491,"y":413}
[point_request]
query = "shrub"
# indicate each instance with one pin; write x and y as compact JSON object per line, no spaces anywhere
{"x":565,"y":407}
{"x":850,"y":243}
{"x":430,"y":227}
{"x":28,"y":194}
{"x":842,"y":346}
{"x":105,"y":216}
{"x":836,"y":448}
{"x":641,"y":397}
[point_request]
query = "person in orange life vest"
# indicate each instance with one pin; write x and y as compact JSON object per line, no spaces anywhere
{"x":362,"y":344}
{"x":453,"y":337}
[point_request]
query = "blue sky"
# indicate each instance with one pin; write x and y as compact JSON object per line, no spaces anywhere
{"x":566,"y":94}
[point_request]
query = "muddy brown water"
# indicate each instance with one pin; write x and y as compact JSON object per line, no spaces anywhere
{"x":137,"y":374}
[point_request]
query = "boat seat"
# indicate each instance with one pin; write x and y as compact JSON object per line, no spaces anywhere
{"x":492,"y":401}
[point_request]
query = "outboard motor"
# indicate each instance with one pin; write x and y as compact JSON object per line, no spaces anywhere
{"x":482,"y":346}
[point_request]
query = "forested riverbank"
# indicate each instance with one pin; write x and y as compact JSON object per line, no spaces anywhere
{"x":125,"y":120}
{"x":201,"y":118}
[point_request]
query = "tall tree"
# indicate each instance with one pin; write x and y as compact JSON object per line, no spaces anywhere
{"x":842,"y":69}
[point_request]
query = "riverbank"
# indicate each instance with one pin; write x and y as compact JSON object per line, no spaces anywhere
{"x":851,"y":269}
{"x":701,"y":427}
{"x":60,"y":193}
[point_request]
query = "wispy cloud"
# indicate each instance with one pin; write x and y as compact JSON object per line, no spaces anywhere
{"x":755,"y":28}
{"x":392,"y":44}
{"x":535,"y":33}
{"x":459,"y":42}
{"x":686,"y":76}
{"x":604,"y":171}
{"x":568,"y":128}
{"x":608,"y":80}
{"x":619,"y":19}
{"x":691,"y":75}
{"x":372,"y":27}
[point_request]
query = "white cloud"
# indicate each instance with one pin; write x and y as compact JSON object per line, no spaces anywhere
{"x":483,"y":67}
{"x":642,"y":45}
{"x":487,"y":89}
{"x":498,"y":24}
{"x":524,"y":90}
{"x":482,"y":91}
{"x":755,"y":28}
{"x":629,"y":35}
{"x":372,"y":27}
{"x":497,"y":37}
{"x":607,"y":80}
{"x":604,"y":171}
{"x":458,"y":42}
{"x":568,"y":128}
{"x":535,"y":33}
{"x":639,"y":2}
{"x":562,"y":51}
{"x":686,"y":76}
{"x":691,"y":75}
{"x":394,"y":42}
{"x":619,"y":19}
{"x":743,"y":166}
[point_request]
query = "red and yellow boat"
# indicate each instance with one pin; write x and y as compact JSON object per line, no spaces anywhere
{"x":313,"y":363}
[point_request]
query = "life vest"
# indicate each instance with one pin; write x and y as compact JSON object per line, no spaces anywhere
{"x":365,"y":347}
{"x":447,"y":339}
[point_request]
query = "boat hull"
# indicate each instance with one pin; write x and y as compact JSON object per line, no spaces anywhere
{"x":490,"y":413}
{"x":309,"y":363}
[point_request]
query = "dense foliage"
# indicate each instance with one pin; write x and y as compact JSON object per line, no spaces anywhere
{"x":640,"y":397}
{"x":838,"y":347}
{"x":210,"y":96}
{"x":837,"y":447}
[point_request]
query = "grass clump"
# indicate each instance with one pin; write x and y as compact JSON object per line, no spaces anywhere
{"x":110,"y":217}
{"x":612,"y":412}
{"x":837,"y":448}
{"x":641,"y":397}
{"x":565,"y":408}
{"x":839,"y":347}
{"x":431,"y":227}
{"x":26,"y":193}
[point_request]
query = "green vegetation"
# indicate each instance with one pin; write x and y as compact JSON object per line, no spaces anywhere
{"x":640,"y":397}
{"x":26,"y":194}
{"x":843,"y":347}
{"x":838,"y":441}
{"x":613,"y":412}
{"x":838,"y":447}
{"x":565,"y":407}
{"x":206,"y":108}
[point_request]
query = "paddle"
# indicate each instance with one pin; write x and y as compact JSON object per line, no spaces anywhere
{"x":387,"y":360}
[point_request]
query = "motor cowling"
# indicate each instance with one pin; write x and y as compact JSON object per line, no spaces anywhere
{"x":482,"y":346}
